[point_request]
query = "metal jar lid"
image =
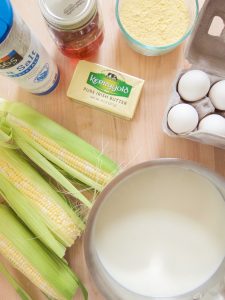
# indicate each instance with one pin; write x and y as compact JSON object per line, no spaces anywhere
{"x":68,"y":14}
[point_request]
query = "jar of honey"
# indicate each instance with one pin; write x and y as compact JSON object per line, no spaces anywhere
{"x":75,"y":25}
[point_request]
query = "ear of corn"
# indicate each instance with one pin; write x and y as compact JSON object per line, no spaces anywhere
{"x":14,"y":283}
{"x":64,"y":149}
{"x":28,"y":215}
{"x":52,"y":171}
{"x":48,"y":272}
{"x":74,"y":165}
{"x":44,"y":211}
{"x":56,"y":156}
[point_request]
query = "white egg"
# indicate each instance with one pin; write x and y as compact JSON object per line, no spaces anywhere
{"x":194,"y":85}
{"x":217,"y":95}
{"x":183,"y":118}
{"x":214,"y":124}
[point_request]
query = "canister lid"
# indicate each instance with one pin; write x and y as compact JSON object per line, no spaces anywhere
{"x":6,"y":19}
{"x":68,"y":14}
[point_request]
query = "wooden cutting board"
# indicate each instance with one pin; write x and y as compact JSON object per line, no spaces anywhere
{"x":128,"y":142}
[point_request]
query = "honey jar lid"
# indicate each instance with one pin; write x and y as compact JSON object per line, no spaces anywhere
{"x":68,"y":14}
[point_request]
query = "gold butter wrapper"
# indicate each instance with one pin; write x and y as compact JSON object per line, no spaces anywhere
{"x":105,"y":89}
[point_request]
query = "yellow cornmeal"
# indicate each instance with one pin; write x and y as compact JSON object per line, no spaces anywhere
{"x":155,"y":22}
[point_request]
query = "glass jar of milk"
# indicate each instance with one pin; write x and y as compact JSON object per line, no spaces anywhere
{"x":158,"y":232}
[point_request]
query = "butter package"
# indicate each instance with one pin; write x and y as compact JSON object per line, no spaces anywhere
{"x":205,"y":52}
{"x":105,"y":89}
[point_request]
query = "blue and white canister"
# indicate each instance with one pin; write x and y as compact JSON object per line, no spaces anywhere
{"x":22,"y":57}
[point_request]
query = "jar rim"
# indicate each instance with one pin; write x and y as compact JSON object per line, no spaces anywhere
{"x":67,"y":15}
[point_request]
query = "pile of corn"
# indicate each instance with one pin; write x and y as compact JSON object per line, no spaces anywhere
{"x":36,"y":245}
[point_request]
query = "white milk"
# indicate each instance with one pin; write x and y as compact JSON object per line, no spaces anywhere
{"x":161,"y":233}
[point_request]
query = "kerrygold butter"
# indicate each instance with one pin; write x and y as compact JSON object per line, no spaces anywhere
{"x":106,"y":89}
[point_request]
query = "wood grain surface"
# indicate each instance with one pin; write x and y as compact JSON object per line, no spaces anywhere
{"x":128,"y":142}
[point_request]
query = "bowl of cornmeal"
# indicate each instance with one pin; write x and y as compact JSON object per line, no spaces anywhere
{"x":156,"y":27}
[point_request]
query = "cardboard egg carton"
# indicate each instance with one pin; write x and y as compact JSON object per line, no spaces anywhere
{"x":207,"y":53}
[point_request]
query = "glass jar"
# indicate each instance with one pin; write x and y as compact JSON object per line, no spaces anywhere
{"x":76,"y":26}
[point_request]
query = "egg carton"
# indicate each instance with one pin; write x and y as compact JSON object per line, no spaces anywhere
{"x":204,"y":52}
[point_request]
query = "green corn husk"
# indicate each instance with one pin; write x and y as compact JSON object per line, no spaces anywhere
{"x":14,"y":283}
{"x":40,"y":207}
{"x":59,"y":146}
{"x":28,"y":255}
